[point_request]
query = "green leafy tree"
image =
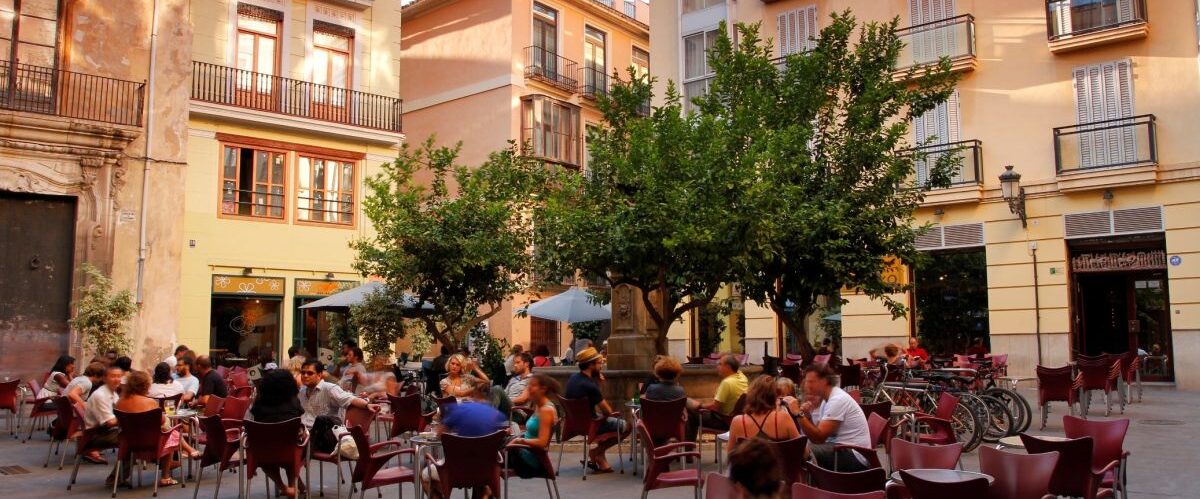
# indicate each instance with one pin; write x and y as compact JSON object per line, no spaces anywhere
{"x":658,"y":209}
{"x":380,"y":321}
{"x":826,"y":137}
{"x":459,"y":242}
{"x":102,"y":314}
{"x":490,"y":351}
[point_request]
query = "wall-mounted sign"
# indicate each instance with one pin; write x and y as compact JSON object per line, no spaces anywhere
{"x":1119,"y":260}
{"x":1176,"y":260}
{"x":243,"y":285}
{"x":895,"y":275}
{"x":321,"y":287}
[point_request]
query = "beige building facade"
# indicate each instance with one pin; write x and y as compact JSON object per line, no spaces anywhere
{"x":487,"y":72}
{"x":293,"y":103}
{"x":93,"y":105}
{"x":1091,"y":103}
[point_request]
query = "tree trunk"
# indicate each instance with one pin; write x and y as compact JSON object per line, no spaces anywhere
{"x":801,"y":328}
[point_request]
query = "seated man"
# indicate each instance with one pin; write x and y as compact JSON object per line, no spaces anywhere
{"x":211,"y":382}
{"x":733,"y":385}
{"x":474,"y":416}
{"x":322,"y":398}
{"x":516,"y":391}
{"x":99,"y":416}
{"x":183,"y":371}
{"x":829,"y":416}
{"x":584,"y":385}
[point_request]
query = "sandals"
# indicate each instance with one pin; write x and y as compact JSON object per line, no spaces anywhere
{"x":94,"y":459}
{"x":167,"y":482}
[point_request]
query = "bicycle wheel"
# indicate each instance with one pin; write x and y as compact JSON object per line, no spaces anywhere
{"x":972,"y":415}
{"x":1000,"y":419}
{"x":1021,"y":411}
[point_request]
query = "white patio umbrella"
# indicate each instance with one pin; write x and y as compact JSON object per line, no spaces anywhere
{"x":354,"y":296}
{"x":571,"y":306}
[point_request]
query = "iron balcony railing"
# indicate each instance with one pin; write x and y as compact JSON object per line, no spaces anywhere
{"x":1066,"y":18}
{"x":544,"y":65}
{"x":275,"y":94}
{"x":595,"y":83}
{"x":69,"y":94}
{"x":927,"y":43}
{"x":970,"y":162}
{"x":1120,"y":142}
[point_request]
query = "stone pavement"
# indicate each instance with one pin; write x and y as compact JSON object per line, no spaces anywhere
{"x":1162,"y":440}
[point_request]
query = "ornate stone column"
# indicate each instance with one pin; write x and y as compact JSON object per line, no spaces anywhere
{"x":631,"y":345}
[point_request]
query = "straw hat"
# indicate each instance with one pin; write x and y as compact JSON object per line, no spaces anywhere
{"x":587,"y":355}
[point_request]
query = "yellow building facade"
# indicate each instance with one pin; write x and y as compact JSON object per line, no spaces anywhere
{"x":487,"y":72}
{"x":293,"y":103}
{"x":1091,"y":103}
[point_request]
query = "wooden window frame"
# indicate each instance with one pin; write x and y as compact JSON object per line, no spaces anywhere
{"x":348,"y":53}
{"x":533,"y":120}
{"x":283,"y":207}
{"x":356,"y":167}
{"x":277,"y":36}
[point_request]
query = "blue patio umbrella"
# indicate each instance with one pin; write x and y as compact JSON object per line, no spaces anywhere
{"x":571,"y":306}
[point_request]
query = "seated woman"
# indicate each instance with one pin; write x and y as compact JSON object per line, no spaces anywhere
{"x":541,"y":357}
{"x":538,"y":429}
{"x":278,"y":401}
{"x":785,"y":391}
{"x":763,"y":417}
{"x":461,"y":374}
{"x":60,"y":376}
{"x":665,"y":387}
{"x":164,"y":385}
{"x":135,"y":398}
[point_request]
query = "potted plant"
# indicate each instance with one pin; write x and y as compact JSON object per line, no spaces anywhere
{"x":102,"y":314}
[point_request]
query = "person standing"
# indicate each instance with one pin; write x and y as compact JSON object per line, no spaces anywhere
{"x":585,"y":384}
{"x":733,"y":385}
{"x":829,"y":416}
{"x":211,"y":382}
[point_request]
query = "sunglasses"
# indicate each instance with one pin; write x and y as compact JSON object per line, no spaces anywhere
{"x":308,"y":373}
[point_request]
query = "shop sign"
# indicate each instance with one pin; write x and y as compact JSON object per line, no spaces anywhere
{"x":1119,"y":260}
{"x":894,"y":275}
{"x":322,"y":287}
{"x":243,"y":285}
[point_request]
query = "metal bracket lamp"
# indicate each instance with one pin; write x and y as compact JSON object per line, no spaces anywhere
{"x":1013,"y":193}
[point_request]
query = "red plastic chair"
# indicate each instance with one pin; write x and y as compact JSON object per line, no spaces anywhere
{"x":443,"y":403}
{"x":878,"y":428}
{"x":41,"y":409}
{"x":543,"y":455}
{"x":1056,"y":384}
{"x":246,"y":392}
{"x":854,"y":482}
{"x":718,"y":486}
{"x":580,"y":421}
{"x":790,"y":454}
{"x":822,"y":359}
{"x":1099,"y":375}
{"x":84,"y":442}
{"x":792,"y":372}
{"x":1018,"y":476}
{"x":10,"y":402}
{"x":235,"y":408}
{"x":925,"y":489}
{"x":63,"y":429}
{"x":850,"y":376}
{"x":371,"y":470}
{"x":407,"y":417}
{"x":143,"y":439}
{"x":222,"y":452}
{"x":1074,"y":475}
{"x":665,"y":420}
{"x":941,"y":430}
{"x":658,"y":465}
{"x":907,"y":455}
{"x":469,"y":462}
{"x":1108,"y":438}
{"x":273,"y":445}
{"x":238,"y":379}
{"x":355,"y":417}
{"x":213,"y":408}
{"x":802,"y":491}
{"x":739,"y":407}
{"x":1131,"y":374}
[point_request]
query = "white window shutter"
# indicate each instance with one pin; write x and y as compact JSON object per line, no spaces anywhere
{"x":782,"y":37}
{"x":811,"y":29}
{"x":1082,"y":115}
{"x":1124,"y":11}
{"x":1062,"y":11}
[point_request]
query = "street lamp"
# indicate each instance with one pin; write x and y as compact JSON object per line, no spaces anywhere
{"x":1011,"y":190}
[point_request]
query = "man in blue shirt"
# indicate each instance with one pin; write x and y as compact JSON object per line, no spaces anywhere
{"x":475,"y":417}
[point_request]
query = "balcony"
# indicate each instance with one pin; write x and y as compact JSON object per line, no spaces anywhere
{"x":69,"y":94}
{"x":928,"y":43}
{"x":1076,"y":24}
{"x":965,"y":184}
{"x":595,"y":83}
{"x":1104,"y":153}
{"x":276,"y":95}
{"x":545,"y":66}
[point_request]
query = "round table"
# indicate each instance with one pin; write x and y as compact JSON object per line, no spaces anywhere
{"x":421,"y":442}
{"x":1013,"y":442}
{"x":191,"y":419}
{"x":1011,"y":382}
{"x":944,"y":476}
{"x":903,"y":414}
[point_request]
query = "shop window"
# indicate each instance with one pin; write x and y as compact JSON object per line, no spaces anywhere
{"x":951,"y":300}
{"x":252,"y":182}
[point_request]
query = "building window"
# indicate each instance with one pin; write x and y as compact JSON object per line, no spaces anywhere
{"x":595,"y":77}
{"x":937,"y":126}
{"x":694,"y":5}
{"x":1073,"y":17}
{"x":1103,"y":97}
{"x":631,"y":8}
{"x":696,"y":74}
{"x":951,"y":295}
{"x":258,"y":31}
{"x":332,"y":49}
{"x":29,"y":31}
{"x":641,"y":62}
{"x":551,"y":128}
{"x":252,"y":182}
{"x":797,"y":30}
{"x":325,"y":190}
{"x":545,"y":28}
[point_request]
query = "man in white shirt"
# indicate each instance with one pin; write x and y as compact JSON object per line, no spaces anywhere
{"x":322,"y":398}
{"x":99,"y":415}
{"x":174,"y":357}
{"x":832,"y":417}
{"x":183,"y":374}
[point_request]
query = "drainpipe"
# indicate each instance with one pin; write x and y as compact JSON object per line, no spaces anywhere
{"x":1037,"y":306}
{"x":142,"y":244}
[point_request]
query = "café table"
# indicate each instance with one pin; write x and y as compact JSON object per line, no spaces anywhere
{"x":421,"y":442}
{"x":1012,"y":382}
{"x":1014,"y":442}
{"x":191,"y":419}
{"x":905,"y":415}
{"x":944,"y":476}
{"x":635,"y":410}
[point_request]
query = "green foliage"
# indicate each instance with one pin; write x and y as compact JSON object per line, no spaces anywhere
{"x":489,"y":350}
{"x":459,"y":242}
{"x":419,"y":341}
{"x":341,"y":330}
{"x":102,"y":314}
{"x":826,"y":141}
{"x":380,"y":321}
{"x":587,"y":330}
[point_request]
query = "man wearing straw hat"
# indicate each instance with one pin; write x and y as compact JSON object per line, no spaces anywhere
{"x":586,"y":384}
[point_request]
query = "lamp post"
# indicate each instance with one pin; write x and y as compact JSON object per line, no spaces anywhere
{"x":1011,"y":190}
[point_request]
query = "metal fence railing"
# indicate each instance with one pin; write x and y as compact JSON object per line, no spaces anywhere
{"x":595,"y":83}
{"x":1066,"y":18}
{"x":953,"y":38}
{"x":542,"y":64}
{"x":1131,"y":141}
{"x":276,"y":94}
{"x":59,"y":92}
{"x":970,"y":162}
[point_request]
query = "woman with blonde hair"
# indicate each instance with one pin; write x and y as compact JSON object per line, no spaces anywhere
{"x":461,"y":374}
{"x":763,"y":417}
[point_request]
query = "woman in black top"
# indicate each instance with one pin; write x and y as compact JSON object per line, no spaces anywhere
{"x":664,"y":387}
{"x":278,"y":400}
